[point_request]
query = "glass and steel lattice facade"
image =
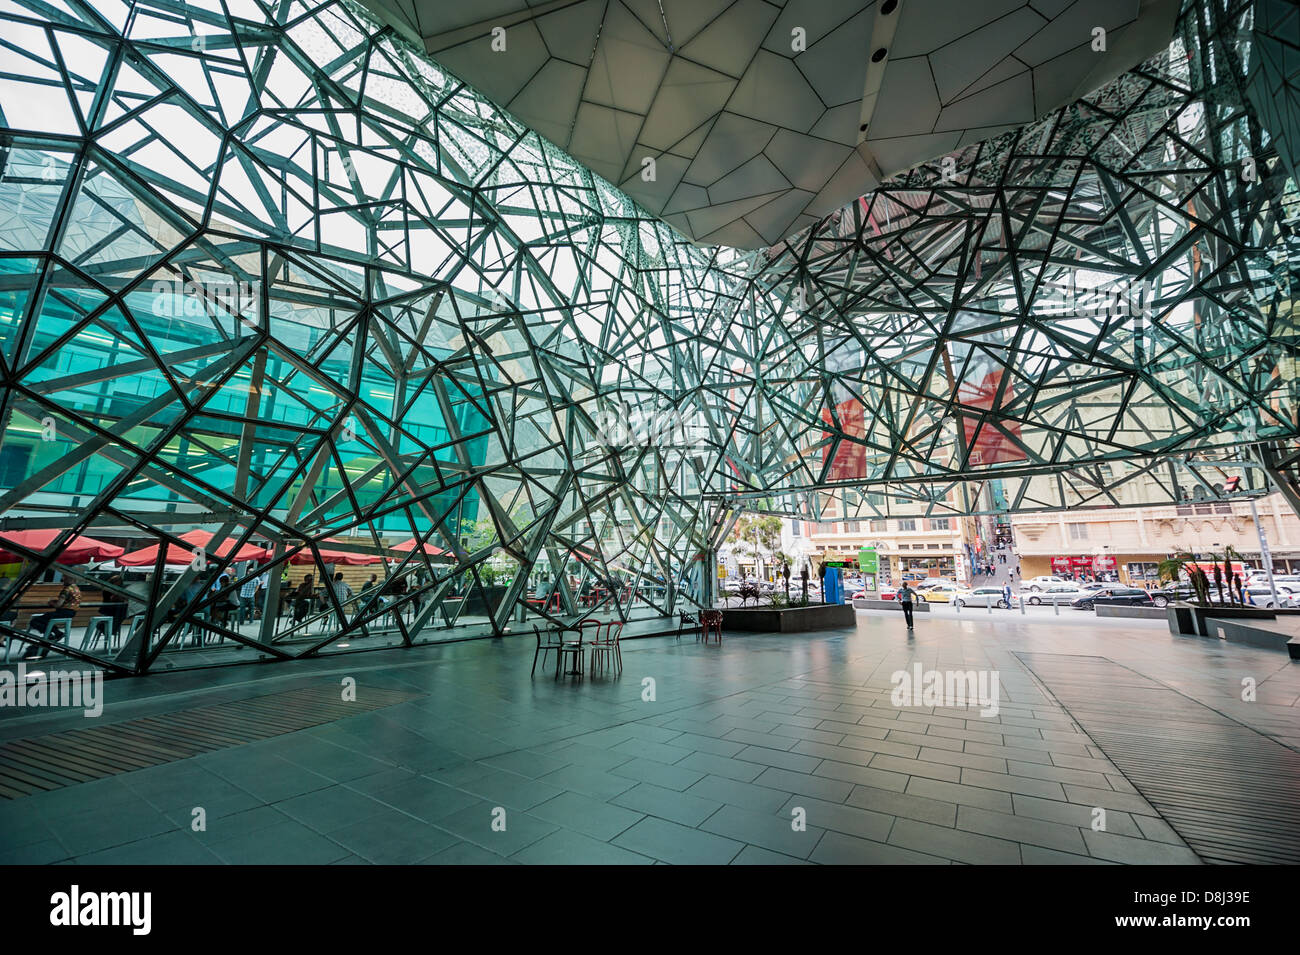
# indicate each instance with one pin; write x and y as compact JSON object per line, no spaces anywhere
{"x":270,"y":274}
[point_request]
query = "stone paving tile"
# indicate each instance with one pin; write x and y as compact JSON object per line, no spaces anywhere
{"x":1108,"y":799}
{"x":833,"y":790}
{"x":768,"y":830}
{"x":1009,"y":752}
{"x":682,"y":808}
{"x":959,"y":794}
{"x":753,"y":855}
{"x":666,"y":753}
{"x":178,"y":848}
{"x":1117,"y":848}
{"x":722,"y":766}
{"x":1061,"y":774}
{"x":391,"y":838}
{"x":592,"y":817}
{"x":527,"y":764}
{"x":708,"y":744}
{"x":862,"y":775}
{"x":511,"y":790}
{"x":735,"y":793}
{"x":678,"y":845}
{"x":328,"y":809}
{"x":661,"y":774}
{"x":916,"y":767}
{"x":1037,"y":855}
{"x":907,"y":806}
{"x":1073,"y":814}
{"x":564,"y":847}
{"x":465,"y":853}
{"x":475,"y":824}
{"x":836,"y":848}
{"x":953,"y":843}
{"x":285,"y":843}
{"x":586,"y":780}
{"x":869,"y":745}
{"x":924,"y":740}
{"x":1036,"y":832}
{"x":1046,"y":788}
{"x":863,"y":823}
{"x":779,"y":758}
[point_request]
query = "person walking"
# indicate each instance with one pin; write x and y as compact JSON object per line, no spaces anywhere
{"x":905,"y":597}
{"x":1006,"y":594}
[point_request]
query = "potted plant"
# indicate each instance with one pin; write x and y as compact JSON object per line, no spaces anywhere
{"x":1189,"y":616}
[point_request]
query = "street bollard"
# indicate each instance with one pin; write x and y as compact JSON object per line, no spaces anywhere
{"x":989,"y":603}
{"x":1022,"y":605}
{"x":1056,"y":606}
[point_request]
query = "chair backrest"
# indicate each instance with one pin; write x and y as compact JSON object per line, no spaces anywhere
{"x":551,"y":637}
{"x":589,"y":624}
{"x":613,"y":630}
{"x":711,"y":617}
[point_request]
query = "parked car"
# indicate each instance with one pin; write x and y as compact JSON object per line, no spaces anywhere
{"x":1288,"y":595}
{"x":938,"y":593}
{"x":1043,"y":581}
{"x":1113,"y":596}
{"x":1260,"y":579}
{"x":979,"y":597}
{"x":884,"y":593}
{"x":929,"y":582}
{"x":1055,"y":593}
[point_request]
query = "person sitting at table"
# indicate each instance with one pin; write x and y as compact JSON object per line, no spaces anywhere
{"x":114,"y":604}
{"x":224,"y":604}
{"x":65,"y":607}
{"x":302,"y":597}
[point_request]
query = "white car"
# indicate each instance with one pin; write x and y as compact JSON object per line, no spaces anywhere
{"x":1288,"y":595}
{"x":1057,"y":593}
{"x":1044,"y":581}
{"x":979,"y":597}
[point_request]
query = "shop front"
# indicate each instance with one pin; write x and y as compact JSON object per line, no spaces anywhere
{"x":1079,"y":566}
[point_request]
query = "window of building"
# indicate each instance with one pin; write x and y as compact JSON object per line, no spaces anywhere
{"x":939,"y":524}
{"x":879,"y":526}
{"x":850,"y":527}
{"x":1078,"y":532}
{"x":796,"y":528}
{"x":934,"y":546}
{"x":907,"y":524}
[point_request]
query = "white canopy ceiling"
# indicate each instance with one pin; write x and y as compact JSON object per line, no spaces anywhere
{"x":762,"y":116}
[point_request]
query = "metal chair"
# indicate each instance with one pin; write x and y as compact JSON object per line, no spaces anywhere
{"x":96,"y":628}
{"x":553,"y":641}
{"x":607,"y":648}
{"x":575,"y":649}
{"x":711,"y":622}
{"x":51,"y":622}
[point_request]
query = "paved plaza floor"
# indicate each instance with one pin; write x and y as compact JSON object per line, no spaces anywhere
{"x":768,"y":749}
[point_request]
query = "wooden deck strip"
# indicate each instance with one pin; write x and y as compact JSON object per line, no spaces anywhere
{"x":1230,"y":792}
{"x":55,"y":760}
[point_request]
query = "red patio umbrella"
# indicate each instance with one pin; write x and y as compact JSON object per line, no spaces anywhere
{"x":409,"y":545}
{"x":79,"y":550}
{"x":305,"y":556}
{"x":147,"y":556}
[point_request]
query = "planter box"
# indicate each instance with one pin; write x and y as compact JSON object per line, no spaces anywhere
{"x":871,"y":603}
{"x":1144,"y":613}
{"x":789,"y":619}
{"x":1190,"y":618}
